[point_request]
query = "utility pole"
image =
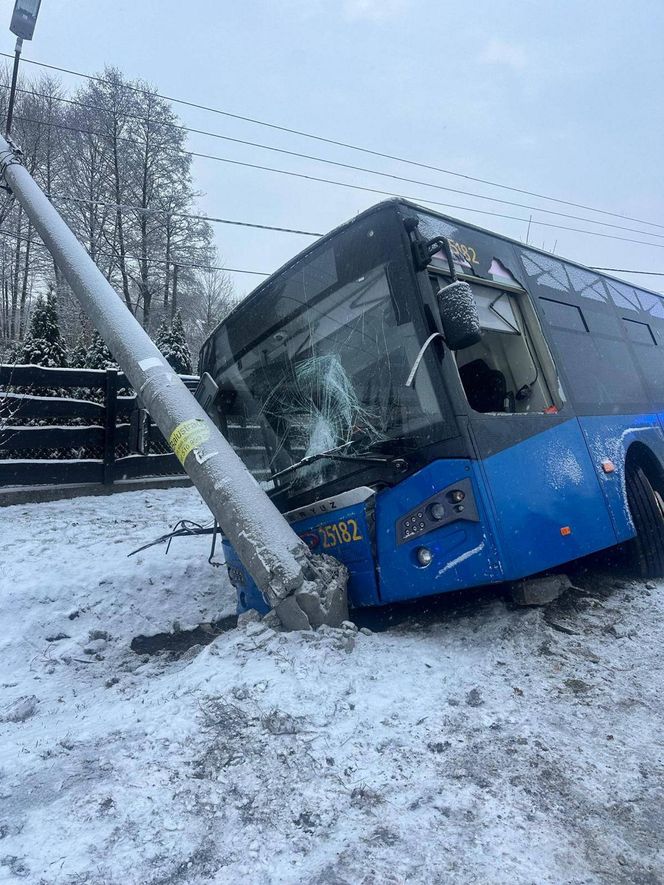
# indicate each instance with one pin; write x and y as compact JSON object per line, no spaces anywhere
{"x":24,"y":19}
{"x":304,"y":590}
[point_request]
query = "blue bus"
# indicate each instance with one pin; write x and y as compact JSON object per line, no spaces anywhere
{"x":441,"y":407}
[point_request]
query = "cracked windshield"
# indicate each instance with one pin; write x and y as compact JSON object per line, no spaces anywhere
{"x":328,"y":371}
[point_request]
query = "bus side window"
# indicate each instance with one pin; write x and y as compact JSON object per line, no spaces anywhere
{"x":503,"y":372}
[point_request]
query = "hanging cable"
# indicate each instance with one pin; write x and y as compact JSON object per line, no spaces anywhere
{"x":364,"y":188}
{"x":324,"y":160}
{"x":338,"y":143}
{"x":203,"y":266}
{"x":650,"y":273}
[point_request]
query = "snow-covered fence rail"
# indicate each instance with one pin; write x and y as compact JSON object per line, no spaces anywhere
{"x":73,"y":426}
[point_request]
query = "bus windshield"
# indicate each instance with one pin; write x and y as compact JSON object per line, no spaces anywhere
{"x":325,"y":365}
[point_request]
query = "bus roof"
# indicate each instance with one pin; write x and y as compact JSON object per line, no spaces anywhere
{"x":401,"y":202}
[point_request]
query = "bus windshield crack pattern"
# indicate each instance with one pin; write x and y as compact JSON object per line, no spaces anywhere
{"x":318,"y":409}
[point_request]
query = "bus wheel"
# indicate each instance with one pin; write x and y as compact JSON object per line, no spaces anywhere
{"x":647,"y":508}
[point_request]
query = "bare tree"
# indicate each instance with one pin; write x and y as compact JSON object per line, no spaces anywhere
{"x":113,"y":161}
{"x":215,"y":301}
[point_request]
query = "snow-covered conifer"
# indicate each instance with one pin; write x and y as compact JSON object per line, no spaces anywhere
{"x":43,"y":344}
{"x":172,"y":342}
{"x":98,"y":356}
{"x":78,"y":354}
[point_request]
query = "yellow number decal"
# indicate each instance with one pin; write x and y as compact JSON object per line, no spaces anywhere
{"x":356,"y":535}
{"x":345,"y":534}
{"x":461,"y":251}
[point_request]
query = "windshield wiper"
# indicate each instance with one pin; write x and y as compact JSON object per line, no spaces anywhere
{"x":336,"y":454}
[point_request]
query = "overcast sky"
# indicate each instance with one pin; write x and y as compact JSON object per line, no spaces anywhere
{"x":562,"y":98}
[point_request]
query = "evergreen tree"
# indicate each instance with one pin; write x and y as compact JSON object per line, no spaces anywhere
{"x":79,"y":354}
{"x":12,"y":354}
{"x":98,"y":356}
{"x":43,"y":345}
{"x":172,"y":342}
{"x":184,"y":354}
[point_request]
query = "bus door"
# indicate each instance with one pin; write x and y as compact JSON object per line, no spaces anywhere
{"x":532,"y":456}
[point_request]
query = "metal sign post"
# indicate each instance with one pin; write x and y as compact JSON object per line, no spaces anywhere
{"x":24,"y":19}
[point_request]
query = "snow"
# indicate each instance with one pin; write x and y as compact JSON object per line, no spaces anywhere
{"x":471,"y":741}
{"x":562,"y":466}
{"x":453,"y":563}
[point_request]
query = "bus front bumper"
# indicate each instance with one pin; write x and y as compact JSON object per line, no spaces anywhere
{"x":427,"y":535}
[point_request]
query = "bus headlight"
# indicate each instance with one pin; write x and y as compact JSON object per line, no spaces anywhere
{"x":424,"y":556}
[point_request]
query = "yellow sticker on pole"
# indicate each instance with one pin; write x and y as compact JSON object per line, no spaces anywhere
{"x":188,"y":436}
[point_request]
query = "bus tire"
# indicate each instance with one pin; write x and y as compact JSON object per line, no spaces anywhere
{"x":646,"y":506}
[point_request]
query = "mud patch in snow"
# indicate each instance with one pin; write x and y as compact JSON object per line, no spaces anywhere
{"x":179,"y":641}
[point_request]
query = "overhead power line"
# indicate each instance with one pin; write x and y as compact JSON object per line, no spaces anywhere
{"x":338,"y":143}
{"x":187,"y":265}
{"x":259,"y":273}
{"x":650,"y":273}
{"x":316,"y":159}
{"x":195,"y":217}
{"x":180,"y":264}
{"x":366,"y":189}
{"x":418,"y":199}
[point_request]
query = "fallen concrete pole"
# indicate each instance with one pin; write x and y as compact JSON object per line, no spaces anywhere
{"x":304,"y":590}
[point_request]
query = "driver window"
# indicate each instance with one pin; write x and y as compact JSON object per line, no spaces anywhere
{"x":506,"y":372}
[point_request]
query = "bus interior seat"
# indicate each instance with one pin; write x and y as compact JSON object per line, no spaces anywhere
{"x":486,"y":388}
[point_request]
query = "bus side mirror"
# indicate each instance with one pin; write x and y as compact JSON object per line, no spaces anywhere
{"x":459,"y":316}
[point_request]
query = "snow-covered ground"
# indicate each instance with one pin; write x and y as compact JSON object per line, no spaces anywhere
{"x":477,"y":743}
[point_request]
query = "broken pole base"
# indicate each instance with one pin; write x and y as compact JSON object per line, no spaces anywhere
{"x":322,"y":599}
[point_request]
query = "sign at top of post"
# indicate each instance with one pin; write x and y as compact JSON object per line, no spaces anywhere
{"x":24,"y":18}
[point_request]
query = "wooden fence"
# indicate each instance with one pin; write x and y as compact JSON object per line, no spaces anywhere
{"x":80,"y":434}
